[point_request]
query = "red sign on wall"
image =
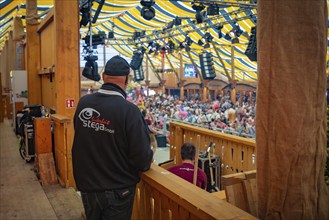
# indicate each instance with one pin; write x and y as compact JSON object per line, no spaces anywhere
{"x":69,"y":103}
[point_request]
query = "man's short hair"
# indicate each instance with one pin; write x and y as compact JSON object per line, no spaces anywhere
{"x":187,"y":151}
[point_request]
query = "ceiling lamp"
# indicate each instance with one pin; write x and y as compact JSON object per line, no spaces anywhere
{"x":147,"y":12}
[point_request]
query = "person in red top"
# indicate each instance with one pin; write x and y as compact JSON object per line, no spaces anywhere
{"x":185,"y":170}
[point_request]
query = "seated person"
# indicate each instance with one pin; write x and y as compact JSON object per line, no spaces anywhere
{"x":185,"y":170}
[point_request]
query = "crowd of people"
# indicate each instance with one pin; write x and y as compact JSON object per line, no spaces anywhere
{"x":220,"y":114}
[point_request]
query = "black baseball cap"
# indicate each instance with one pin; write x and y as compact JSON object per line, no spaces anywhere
{"x":117,"y":66}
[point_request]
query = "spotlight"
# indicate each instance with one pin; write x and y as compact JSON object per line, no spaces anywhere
{"x":110,"y":35}
{"x":219,"y":29}
{"x":213,"y":9}
{"x":251,"y":50}
{"x":91,"y":68}
{"x":205,"y":40}
{"x":227,"y":36}
{"x":237,"y":30}
{"x":147,"y":12}
{"x":170,"y":46}
{"x":208,"y":37}
{"x":85,"y":13}
{"x":136,"y":35}
{"x":186,"y":43}
{"x":177,"y":21}
{"x":200,"y":16}
{"x":235,"y":40}
{"x":137,"y":60}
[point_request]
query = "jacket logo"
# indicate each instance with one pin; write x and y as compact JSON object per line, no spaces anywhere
{"x":91,"y":119}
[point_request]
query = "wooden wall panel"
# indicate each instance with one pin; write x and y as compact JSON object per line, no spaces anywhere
{"x":48,"y":91}
{"x":47,"y":43}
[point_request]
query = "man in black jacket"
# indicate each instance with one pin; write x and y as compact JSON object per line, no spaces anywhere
{"x":111,"y":146}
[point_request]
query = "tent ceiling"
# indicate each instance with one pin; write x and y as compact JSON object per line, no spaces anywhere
{"x":124,"y":18}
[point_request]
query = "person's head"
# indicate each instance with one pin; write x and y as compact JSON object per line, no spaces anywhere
{"x":117,"y":71}
{"x":187,"y":151}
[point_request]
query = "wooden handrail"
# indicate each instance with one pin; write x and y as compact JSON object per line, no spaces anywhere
{"x":163,"y":195}
{"x":237,"y":154}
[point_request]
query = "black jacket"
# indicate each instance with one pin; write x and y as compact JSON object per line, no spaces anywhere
{"x":111,"y":142}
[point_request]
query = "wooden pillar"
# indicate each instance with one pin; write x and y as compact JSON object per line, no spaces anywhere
{"x":147,"y":81}
{"x":232,"y":63}
{"x":291,"y":109}
{"x":181,"y":93}
{"x":32,"y":53}
{"x":233,"y":96}
{"x":204,"y":94}
{"x":66,"y":18}
{"x":1,"y":102}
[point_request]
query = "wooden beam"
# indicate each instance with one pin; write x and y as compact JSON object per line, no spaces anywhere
{"x":32,"y":55}
{"x":46,"y":21}
{"x":67,"y":80}
{"x":221,"y":61}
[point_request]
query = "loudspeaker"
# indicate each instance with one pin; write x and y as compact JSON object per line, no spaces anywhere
{"x":207,"y":66}
{"x":251,"y":51}
{"x":136,"y":61}
{"x":139,"y":74}
{"x":91,"y":71}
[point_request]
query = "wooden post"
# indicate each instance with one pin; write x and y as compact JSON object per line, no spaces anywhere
{"x":197,"y":148}
{"x":1,"y":102}
{"x":181,"y":78}
{"x":147,"y":81}
{"x":181,"y":93}
{"x":204,"y":94}
{"x":291,"y":117}
{"x":67,"y":66}
{"x":33,"y":53}
{"x":232,"y":63}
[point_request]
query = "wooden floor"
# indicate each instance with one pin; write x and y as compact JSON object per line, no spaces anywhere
{"x":21,"y":194}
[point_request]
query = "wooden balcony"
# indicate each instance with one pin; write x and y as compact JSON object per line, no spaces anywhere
{"x":163,"y":195}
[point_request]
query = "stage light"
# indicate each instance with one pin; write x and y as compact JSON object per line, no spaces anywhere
{"x":85,"y":13}
{"x":91,"y":68}
{"x":205,"y":40}
{"x":137,"y":60}
{"x":110,"y":35}
{"x":237,"y":30}
{"x":235,"y":40}
{"x":251,"y":50}
{"x":200,"y":16}
{"x":219,"y":29}
{"x":147,"y":12}
{"x":213,"y":9}
{"x":177,"y":21}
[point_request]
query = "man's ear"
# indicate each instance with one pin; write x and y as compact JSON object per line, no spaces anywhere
{"x":126,"y":81}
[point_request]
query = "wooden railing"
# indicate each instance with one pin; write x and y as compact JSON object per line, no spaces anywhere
{"x":163,"y":195}
{"x":63,"y":155}
{"x":237,"y":154}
